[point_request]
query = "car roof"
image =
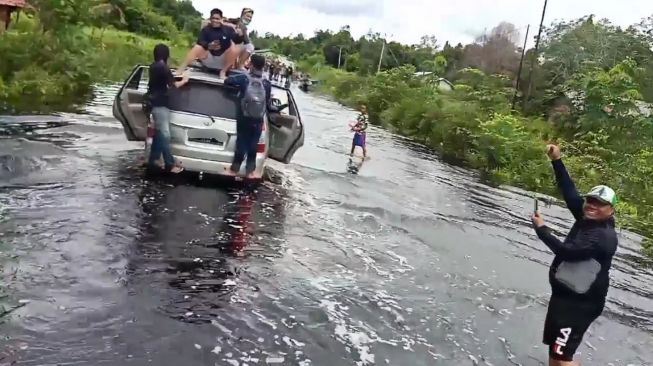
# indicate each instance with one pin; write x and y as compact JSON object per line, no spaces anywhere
{"x":278,"y":92}
{"x":212,"y":77}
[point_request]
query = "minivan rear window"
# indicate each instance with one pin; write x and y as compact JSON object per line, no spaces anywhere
{"x":206,"y":99}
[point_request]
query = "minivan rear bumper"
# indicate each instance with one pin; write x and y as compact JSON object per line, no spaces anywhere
{"x":216,"y":167}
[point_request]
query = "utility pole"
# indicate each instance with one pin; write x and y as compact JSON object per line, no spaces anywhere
{"x":339,"y":55}
{"x":378,"y":69}
{"x":537,"y":45}
{"x":521,"y":63}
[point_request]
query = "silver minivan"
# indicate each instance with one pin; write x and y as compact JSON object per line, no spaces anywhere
{"x":203,"y":122}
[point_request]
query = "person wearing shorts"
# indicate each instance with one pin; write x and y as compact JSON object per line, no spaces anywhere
{"x":579,"y":274}
{"x":360,"y":134}
{"x":215,"y":46}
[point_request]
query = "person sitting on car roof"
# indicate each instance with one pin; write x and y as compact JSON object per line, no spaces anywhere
{"x":241,"y":39}
{"x":215,"y":47}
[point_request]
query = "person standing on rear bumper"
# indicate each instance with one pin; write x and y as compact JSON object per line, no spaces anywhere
{"x":254,"y":94}
{"x":579,"y":274}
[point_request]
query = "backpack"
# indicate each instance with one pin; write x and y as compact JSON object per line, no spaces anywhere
{"x":253,"y":101}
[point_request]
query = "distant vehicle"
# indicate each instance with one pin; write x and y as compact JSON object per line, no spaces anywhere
{"x":306,"y":83}
{"x":441,"y":83}
{"x":203,"y":122}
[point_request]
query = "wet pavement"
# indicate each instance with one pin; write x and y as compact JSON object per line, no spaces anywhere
{"x":409,"y":262}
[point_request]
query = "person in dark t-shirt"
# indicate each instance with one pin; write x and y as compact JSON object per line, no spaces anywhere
{"x":160,"y":80}
{"x":215,"y":47}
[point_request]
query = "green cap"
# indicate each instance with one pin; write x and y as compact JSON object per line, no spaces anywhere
{"x":603,"y":193}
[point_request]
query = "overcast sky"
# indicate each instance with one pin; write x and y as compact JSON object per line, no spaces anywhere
{"x":407,"y":20}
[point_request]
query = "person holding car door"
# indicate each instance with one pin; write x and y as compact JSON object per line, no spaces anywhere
{"x":160,"y":80}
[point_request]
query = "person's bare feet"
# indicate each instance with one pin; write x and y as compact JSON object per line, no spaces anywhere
{"x":176,"y":170}
{"x":230,"y":173}
{"x":252,"y":175}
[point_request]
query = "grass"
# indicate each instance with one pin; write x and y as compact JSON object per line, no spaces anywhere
{"x":56,"y":72}
{"x":126,"y":50}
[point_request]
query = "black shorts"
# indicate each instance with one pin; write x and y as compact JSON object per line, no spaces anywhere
{"x":566,"y":322}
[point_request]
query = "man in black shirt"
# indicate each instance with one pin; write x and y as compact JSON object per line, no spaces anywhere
{"x":579,"y":274}
{"x":215,"y":47}
{"x":160,"y":80}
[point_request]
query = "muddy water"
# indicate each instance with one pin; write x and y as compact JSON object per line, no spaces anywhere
{"x":410,"y":262}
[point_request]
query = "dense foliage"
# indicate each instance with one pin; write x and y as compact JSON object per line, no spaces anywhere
{"x":53,"y":55}
{"x":589,"y":92}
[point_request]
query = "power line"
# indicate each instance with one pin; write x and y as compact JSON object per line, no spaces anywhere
{"x":537,"y":45}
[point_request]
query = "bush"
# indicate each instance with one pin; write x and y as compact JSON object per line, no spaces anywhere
{"x":506,"y":147}
{"x":57,"y":70}
{"x":47,"y":75}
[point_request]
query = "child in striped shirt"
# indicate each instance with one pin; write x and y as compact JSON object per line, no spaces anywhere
{"x":359,"y":129}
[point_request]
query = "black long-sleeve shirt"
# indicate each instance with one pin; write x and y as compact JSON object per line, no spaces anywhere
{"x":582,"y":261}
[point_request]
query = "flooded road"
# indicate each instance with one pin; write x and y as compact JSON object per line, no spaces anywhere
{"x":410,"y":262}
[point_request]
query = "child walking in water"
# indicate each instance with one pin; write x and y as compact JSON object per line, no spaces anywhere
{"x":359,"y":129}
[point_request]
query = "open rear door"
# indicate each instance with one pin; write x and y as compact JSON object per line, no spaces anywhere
{"x":286,"y":128}
{"x":128,"y":105}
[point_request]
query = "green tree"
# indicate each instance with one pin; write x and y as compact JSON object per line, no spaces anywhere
{"x":337,"y":42}
{"x":58,"y":15}
{"x":353,"y":62}
{"x":582,"y":46}
{"x":454,"y":57}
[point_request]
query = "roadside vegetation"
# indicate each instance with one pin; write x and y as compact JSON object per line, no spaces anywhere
{"x":53,"y":54}
{"x":590,"y":92}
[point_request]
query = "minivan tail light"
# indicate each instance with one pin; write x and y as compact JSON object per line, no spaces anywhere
{"x":260,"y":147}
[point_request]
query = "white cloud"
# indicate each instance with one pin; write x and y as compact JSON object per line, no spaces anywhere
{"x":345,"y":7}
{"x":407,"y":20}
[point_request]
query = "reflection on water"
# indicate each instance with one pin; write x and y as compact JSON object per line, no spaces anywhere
{"x":409,"y":261}
{"x":194,"y":239}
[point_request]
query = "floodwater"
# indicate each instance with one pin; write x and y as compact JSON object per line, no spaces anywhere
{"x":409,"y":262}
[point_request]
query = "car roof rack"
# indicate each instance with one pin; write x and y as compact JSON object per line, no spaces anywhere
{"x":211,"y":74}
